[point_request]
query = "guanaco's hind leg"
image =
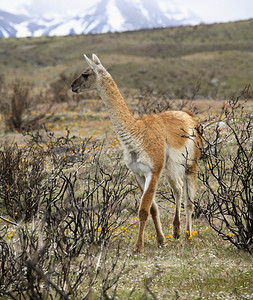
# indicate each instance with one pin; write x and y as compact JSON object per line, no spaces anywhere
{"x":151,"y":180}
{"x":177,"y":187}
{"x":156,"y":219}
{"x":153,"y":211}
{"x":189,"y":193}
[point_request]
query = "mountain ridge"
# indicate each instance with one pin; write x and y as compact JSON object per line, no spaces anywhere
{"x":104,"y":16}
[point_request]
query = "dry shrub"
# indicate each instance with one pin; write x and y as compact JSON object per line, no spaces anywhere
{"x":227,"y":173}
{"x":60,"y":89}
{"x":17,"y":106}
{"x":77,"y":203}
{"x":22,"y":171}
{"x":150,"y":102}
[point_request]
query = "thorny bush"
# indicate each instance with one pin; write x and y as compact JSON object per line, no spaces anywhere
{"x":17,"y":106}
{"x":22,"y":172}
{"x":227,"y":173}
{"x":61,"y":210}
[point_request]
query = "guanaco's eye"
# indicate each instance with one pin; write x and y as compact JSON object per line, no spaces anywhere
{"x":85,"y":76}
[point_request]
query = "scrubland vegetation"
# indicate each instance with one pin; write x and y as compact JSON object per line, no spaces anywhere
{"x":68,"y":220}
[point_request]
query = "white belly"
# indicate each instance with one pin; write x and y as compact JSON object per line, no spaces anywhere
{"x":141,"y":166}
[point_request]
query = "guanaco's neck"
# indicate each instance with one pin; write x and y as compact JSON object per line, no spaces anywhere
{"x":118,"y":111}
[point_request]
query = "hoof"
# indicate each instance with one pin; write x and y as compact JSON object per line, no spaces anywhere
{"x":176,"y":235}
{"x":176,"y":231}
{"x":138,"y":249}
{"x":160,"y":241}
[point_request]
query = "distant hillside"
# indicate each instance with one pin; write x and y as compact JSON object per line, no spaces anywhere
{"x":217,"y":58}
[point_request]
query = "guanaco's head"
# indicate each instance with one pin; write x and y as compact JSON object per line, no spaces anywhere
{"x":88,"y":79}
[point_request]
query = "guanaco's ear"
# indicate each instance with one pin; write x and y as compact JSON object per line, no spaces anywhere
{"x":91,"y":64}
{"x":96,"y":59}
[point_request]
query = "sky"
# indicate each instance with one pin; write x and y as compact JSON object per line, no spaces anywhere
{"x":209,"y":11}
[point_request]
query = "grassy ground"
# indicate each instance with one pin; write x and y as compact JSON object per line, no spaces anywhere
{"x":203,"y":268}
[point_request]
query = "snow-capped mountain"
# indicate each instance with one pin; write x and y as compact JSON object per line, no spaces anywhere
{"x":104,"y":16}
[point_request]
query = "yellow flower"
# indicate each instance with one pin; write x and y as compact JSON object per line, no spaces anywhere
{"x":10,"y":234}
{"x":99,"y":229}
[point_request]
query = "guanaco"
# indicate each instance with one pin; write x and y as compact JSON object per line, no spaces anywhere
{"x":167,"y":142}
